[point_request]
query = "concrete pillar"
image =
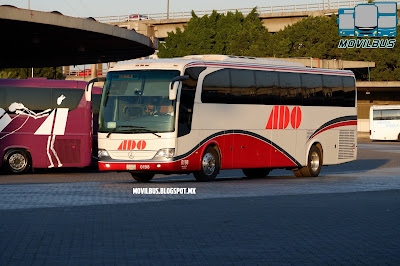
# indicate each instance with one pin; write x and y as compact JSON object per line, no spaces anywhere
{"x":100,"y":68}
{"x":66,"y":71}
{"x":94,"y":71}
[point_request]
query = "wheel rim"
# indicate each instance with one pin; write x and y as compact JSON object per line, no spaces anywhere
{"x":314,"y":161}
{"x":208,"y":164}
{"x":17,"y":162}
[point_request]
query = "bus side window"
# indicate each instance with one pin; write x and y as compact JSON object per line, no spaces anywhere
{"x":267,"y":91}
{"x":334,"y":83}
{"x":72,"y":98}
{"x":349,"y":91}
{"x":313,"y":94}
{"x":243,"y":87}
{"x":377,"y":114}
{"x":216,"y":87}
{"x":188,"y":93}
{"x":290,"y":89}
{"x":3,"y":99}
{"x":35,"y":99}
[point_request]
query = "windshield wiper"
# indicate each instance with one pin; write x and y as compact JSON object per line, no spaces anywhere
{"x":140,"y":128}
{"x":149,"y":131}
{"x":119,"y":127}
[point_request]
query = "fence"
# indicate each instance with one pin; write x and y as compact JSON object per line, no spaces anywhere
{"x":326,"y":5}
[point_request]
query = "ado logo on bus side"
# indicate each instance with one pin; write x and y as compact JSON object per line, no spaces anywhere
{"x":281,"y":115}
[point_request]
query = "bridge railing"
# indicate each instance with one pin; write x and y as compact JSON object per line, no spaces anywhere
{"x":326,"y":5}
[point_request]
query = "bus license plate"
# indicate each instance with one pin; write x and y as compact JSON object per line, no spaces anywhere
{"x":131,"y":167}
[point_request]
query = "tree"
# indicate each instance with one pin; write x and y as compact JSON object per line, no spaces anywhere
{"x":317,"y":37}
{"x":231,"y":34}
{"x":23,"y":73}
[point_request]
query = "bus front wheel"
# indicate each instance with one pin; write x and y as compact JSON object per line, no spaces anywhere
{"x":142,"y":177}
{"x":314,"y":164}
{"x":17,"y":161}
{"x":209,"y":166}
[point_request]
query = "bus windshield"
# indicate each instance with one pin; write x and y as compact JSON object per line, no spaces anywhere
{"x":366,"y":17}
{"x":137,"y":102}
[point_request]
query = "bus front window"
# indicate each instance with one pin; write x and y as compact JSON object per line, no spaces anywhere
{"x":137,"y":102}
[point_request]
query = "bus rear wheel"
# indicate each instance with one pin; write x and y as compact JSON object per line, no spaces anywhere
{"x":256,"y":172}
{"x":314,"y":164}
{"x":209,"y":166}
{"x":142,"y":177}
{"x":17,"y":161}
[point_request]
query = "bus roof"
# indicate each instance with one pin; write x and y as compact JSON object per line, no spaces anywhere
{"x":43,"y":83}
{"x":385,"y":107}
{"x":224,"y":61}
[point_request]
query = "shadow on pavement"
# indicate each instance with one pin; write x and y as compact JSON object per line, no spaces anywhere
{"x":358,"y":166}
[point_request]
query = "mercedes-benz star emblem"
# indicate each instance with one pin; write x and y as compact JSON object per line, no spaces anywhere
{"x":131,"y":155}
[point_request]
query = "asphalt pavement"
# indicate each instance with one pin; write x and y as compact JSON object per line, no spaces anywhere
{"x":348,"y":215}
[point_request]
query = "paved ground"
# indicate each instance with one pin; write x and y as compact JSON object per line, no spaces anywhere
{"x":349,"y":215}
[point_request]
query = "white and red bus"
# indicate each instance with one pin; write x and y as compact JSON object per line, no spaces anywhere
{"x":47,"y":123}
{"x":205,"y":113}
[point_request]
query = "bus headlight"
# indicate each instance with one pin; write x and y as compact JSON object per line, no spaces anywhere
{"x":102,"y":153}
{"x":356,"y":32}
{"x":375,"y":32}
{"x":165,"y":153}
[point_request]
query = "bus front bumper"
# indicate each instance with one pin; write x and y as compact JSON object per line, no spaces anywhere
{"x":137,"y":166}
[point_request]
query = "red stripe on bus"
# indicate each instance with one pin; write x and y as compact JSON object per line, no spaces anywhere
{"x":341,"y":124}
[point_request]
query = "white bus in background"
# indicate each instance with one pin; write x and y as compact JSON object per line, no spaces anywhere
{"x":384,"y":122}
{"x":201,"y":114}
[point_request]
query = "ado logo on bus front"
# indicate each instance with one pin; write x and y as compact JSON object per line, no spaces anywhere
{"x":281,"y":115}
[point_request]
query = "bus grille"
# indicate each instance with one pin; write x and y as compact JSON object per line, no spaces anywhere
{"x":346,"y":144}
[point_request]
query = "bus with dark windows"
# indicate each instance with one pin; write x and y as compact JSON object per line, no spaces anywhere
{"x":200,"y":114}
{"x":47,"y":124}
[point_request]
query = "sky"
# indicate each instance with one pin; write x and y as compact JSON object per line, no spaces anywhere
{"x":100,"y":8}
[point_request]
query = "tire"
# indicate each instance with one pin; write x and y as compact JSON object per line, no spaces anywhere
{"x":256,"y":172}
{"x":17,"y":161}
{"x":314,"y":164}
{"x":209,"y":166}
{"x":142,"y":178}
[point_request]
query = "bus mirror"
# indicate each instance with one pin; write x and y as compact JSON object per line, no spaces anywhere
{"x":174,"y":85}
{"x":174,"y":90}
{"x":89,"y":87}
{"x":88,"y":92}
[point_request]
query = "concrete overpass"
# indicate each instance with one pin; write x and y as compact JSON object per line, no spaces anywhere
{"x":41,"y":39}
{"x":274,"y":18}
